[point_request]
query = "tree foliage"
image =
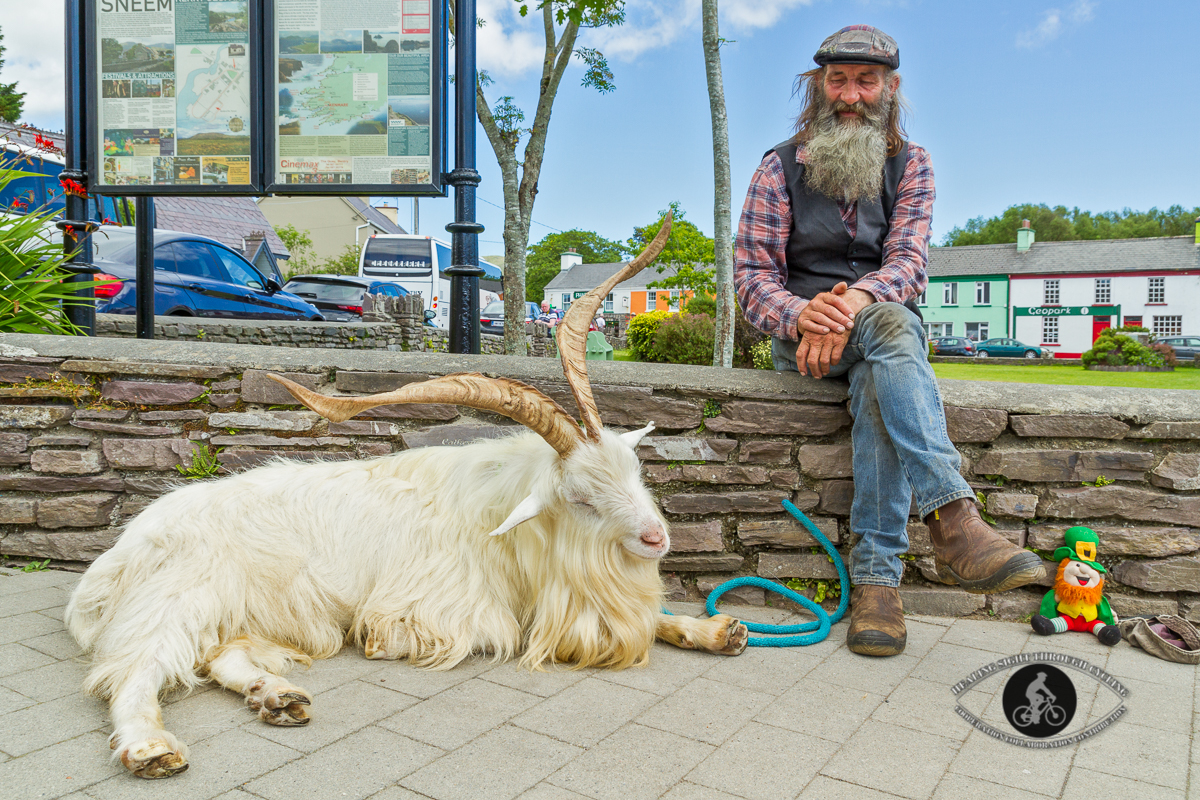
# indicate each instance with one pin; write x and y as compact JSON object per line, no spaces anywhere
{"x":543,"y":261}
{"x":687,"y":250}
{"x":1060,"y":224}
{"x":12,"y":102}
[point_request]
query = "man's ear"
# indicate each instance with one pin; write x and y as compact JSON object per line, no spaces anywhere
{"x":895,"y":83}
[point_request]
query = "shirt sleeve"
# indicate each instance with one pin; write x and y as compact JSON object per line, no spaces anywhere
{"x":902,"y":275}
{"x":760,"y":261}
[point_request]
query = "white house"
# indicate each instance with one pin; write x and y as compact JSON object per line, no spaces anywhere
{"x":632,"y":297}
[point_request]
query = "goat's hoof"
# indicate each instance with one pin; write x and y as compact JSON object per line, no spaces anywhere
{"x":732,"y":640}
{"x":282,"y":706}
{"x":291,"y":715}
{"x":153,"y":758}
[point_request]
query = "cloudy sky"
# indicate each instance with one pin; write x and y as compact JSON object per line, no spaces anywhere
{"x":1088,"y":103}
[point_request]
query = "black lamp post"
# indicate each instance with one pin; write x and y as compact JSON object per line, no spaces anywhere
{"x":464,"y":268}
{"x":75,"y":225}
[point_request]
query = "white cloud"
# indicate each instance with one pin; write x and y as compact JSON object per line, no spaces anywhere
{"x":749,"y":14}
{"x":33,"y":57}
{"x":1054,"y":22}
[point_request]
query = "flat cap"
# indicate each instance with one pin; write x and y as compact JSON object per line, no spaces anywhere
{"x":859,"y":44}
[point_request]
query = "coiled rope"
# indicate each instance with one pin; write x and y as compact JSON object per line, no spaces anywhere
{"x":786,"y":635}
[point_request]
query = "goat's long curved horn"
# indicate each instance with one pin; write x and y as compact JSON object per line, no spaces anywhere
{"x":573,"y":330}
{"x":513,"y":399}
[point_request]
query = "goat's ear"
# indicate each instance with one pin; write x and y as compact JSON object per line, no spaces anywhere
{"x":633,"y":438}
{"x":526,"y":510}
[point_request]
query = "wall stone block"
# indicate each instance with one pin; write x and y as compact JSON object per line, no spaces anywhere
{"x":263,"y":440}
{"x":936,"y":601}
{"x":826,"y":461}
{"x":1068,"y":426}
{"x":148,"y":453}
{"x":786,"y":533}
{"x":422,"y":411}
{"x":1178,"y":471}
{"x":764,"y":452}
{"x":1123,"y":541}
{"x":76,"y":510}
{"x":124,"y":430}
{"x":1127,"y":605}
{"x":67,"y":462}
{"x":785,"y":478}
{"x":34,"y":416}
{"x":685,"y":448}
{"x":1169,"y":430}
{"x":1120,"y":501}
{"x":134,"y":504}
{"x":1060,"y":466}
{"x":455,"y":435}
{"x":375,"y":382}
{"x":364,"y":427}
{"x":836,"y":497}
{"x":17,"y":511}
{"x":1016,"y":604}
{"x":241,"y":460}
{"x":742,"y":416}
{"x":727,"y":503}
{"x":169,"y":416}
{"x":741,"y":595}
{"x":45,"y":483}
{"x":1181,"y":573}
{"x":697,"y":537}
{"x":65,"y":545}
{"x":919,"y":543}
{"x":631,"y":406}
{"x":975,"y":424}
{"x":725,"y":562}
{"x":265,"y":420}
{"x":673,"y":587}
{"x":704,"y":473}
{"x":258,"y":388}
{"x":13,"y":443}
{"x":1012,"y":504}
{"x":148,"y":393}
{"x":60,"y":441}
{"x":796,"y":565}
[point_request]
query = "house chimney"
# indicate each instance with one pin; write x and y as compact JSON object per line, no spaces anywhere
{"x":569,"y":259}
{"x":1024,"y":236}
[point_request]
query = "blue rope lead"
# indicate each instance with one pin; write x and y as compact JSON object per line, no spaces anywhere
{"x":819,"y":627}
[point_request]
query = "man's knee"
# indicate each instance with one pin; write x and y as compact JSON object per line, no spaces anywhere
{"x":891,"y":322}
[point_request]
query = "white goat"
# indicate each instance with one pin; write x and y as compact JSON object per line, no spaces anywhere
{"x":237,"y":579}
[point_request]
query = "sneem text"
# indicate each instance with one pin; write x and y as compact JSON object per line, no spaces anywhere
{"x":152,"y":6}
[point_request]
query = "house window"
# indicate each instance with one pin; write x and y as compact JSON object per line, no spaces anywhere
{"x":566,"y":300}
{"x":1050,"y":329}
{"x":977,"y":331}
{"x":950,"y":294}
{"x":1050,"y":295}
{"x":1103,"y":291}
{"x":983,"y":296}
{"x":1158,"y":293}
{"x":1167,"y":326}
{"x":921,"y":299}
{"x":608,"y":303}
{"x":673,"y":304}
{"x":1133,"y":321}
{"x":938,"y":328}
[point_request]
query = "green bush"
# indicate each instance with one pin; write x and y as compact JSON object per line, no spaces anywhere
{"x":761,"y":351}
{"x":640,"y":333}
{"x":1167,"y":352}
{"x":1116,"y":349}
{"x":745,"y":337}
{"x":685,"y":339}
{"x":701,"y":303}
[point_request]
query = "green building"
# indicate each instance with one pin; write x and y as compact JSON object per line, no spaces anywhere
{"x":974,"y":306}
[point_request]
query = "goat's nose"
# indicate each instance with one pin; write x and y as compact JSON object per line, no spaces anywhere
{"x":653,"y":536}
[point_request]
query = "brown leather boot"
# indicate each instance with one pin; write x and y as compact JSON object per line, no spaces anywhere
{"x":968,"y":552}
{"x":876,"y":621}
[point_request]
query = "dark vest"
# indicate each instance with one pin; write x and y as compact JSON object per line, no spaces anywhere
{"x":820,"y":251}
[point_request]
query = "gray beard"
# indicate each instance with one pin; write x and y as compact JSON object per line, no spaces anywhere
{"x":845,"y":159}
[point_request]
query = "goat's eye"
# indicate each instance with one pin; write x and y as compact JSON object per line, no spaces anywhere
{"x":577,"y":501}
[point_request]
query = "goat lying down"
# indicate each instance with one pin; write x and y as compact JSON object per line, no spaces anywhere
{"x":238,"y":579}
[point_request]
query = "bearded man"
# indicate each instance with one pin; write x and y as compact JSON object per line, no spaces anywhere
{"x":831,"y":253}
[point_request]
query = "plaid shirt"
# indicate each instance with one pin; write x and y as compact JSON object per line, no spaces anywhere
{"x":760,"y":264}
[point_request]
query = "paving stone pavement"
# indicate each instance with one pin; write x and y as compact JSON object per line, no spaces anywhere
{"x":811,"y":722}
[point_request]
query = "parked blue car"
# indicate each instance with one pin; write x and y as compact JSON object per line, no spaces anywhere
{"x":1006,"y":348}
{"x":194,"y":276}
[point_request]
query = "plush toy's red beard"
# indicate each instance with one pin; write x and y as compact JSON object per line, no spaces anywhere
{"x":1075,"y":594}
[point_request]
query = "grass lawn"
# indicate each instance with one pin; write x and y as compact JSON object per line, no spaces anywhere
{"x":623,"y":355}
{"x":1181,"y":378}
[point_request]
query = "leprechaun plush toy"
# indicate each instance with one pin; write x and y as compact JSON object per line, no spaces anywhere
{"x":1077,"y":602}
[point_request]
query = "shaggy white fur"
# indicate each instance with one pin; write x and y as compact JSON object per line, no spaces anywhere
{"x":237,"y":579}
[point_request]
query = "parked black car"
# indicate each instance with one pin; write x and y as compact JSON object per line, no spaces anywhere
{"x":491,"y":319}
{"x":953,"y":346}
{"x":340,"y":297}
{"x":194,"y":276}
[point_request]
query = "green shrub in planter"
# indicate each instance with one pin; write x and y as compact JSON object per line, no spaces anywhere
{"x":685,"y":339}
{"x":1117,"y":350}
{"x":639,"y":335}
{"x":761,"y":351}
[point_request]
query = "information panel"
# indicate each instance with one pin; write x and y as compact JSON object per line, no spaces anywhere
{"x":358,"y":105}
{"x":176,"y":93}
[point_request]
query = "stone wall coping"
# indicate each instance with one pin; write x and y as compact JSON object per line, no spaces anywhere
{"x":1136,"y":405}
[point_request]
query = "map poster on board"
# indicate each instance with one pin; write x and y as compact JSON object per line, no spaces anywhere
{"x":173,"y":95}
{"x":357,"y":97}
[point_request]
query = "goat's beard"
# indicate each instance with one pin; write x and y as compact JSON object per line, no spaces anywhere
{"x":1074,"y":594}
{"x":845,"y":157}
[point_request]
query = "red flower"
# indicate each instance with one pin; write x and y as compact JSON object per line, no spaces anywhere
{"x":18,"y":204}
{"x":108,"y":221}
{"x":73,"y":187}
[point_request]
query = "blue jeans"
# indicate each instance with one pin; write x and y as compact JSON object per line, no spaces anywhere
{"x":901,"y":448}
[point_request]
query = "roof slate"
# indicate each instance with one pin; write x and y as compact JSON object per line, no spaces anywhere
{"x":226,"y":219}
{"x":374,"y":216}
{"x":585,"y":277}
{"x":1106,"y":255}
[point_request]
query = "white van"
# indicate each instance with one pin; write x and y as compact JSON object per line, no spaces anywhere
{"x":410,"y":261}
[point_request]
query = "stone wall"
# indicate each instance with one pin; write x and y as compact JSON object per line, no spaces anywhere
{"x":389,"y":323}
{"x":92,"y":430}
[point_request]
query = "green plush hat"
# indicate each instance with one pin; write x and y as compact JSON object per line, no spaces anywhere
{"x":1082,"y":545}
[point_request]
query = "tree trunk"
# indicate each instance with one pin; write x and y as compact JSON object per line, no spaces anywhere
{"x":722,"y":219}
